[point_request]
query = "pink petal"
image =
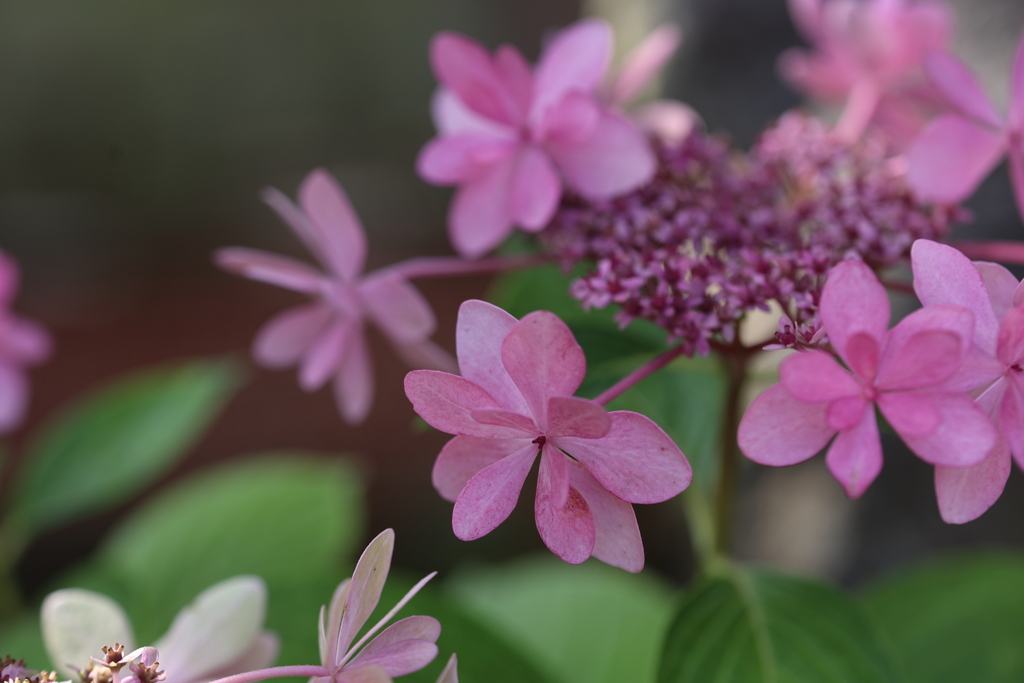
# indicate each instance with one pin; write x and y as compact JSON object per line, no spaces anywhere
{"x":577,"y":417}
{"x":24,"y":342}
{"x":9,"y":277}
{"x":491,"y":494}
{"x":427,"y":355}
{"x":852,"y":301}
{"x":399,"y":659}
{"x":910,"y":413}
{"x":950,"y":158}
{"x":616,"y":159}
{"x":855,"y":458}
{"x":284,"y":339}
{"x":574,"y":61}
{"x":397,"y":307}
{"x":617,"y":537}
{"x":943,"y":275}
{"x":13,"y":397}
{"x":367,"y":583}
{"x":353,"y":387}
{"x":847,"y":412}
{"x":535,"y":189}
{"x":926,"y":348}
{"x":450,"y":674}
{"x":959,"y":85}
{"x":780,"y":430}
{"x":963,"y":437}
{"x":337,"y":228}
{"x":668,"y":120}
{"x":330,"y":624}
{"x":417,"y":629}
{"x":965,"y":493}
{"x":299,"y":222}
{"x":823,"y":79}
{"x":543,"y":359}
{"x":572,"y":121}
{"x":464,"y":456}
{"x":815,"y":376}
{"x":325,"y":353}
{"x":806,"y":15}
{"x":979,"y":369}
{"x":1016,"y":116}
{"x":517,"y":75}
{"x":461,"y":158}
{"x":447,"y":403}
{"x":1001,"y":286}
{"x":452,"y":117}
{"x":506,"y":418}
{"x":1016,"y":159}
{"x":270,"y":268}
{"x":1010,"y":348}
{"x":479,"y":331}
{"x":1011,"y":416}
{"x":464,"y":66}
{"x":479,"y":218}
{"x":564,"y":520}
{"x":644,"y":62}
{"x":636,"y":461}
{"x":371,"y":673}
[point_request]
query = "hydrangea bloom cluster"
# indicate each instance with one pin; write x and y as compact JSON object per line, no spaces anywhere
{"x":716,"y":234}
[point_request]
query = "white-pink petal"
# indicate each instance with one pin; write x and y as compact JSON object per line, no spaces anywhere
{"x":286,"y":337}
{"x":363,"y":593}
{"x":270,"y":268}
{"x":479,"y":331}
{"x":464,"y":456}
{"x":325,"y":353}
{"x":336,"y":226}
{"x":398,"y":308}
{"x":354,"y":385}
{"x":447,"y":403}
{"x":491,"y":494}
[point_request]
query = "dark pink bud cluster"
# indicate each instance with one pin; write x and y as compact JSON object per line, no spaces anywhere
{"x":718,"y":233}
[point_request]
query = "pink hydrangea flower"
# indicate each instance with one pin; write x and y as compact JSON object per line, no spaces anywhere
{"x":513,"y":402}
{"x":23,"y":343}
{"x":903,"y":371}
{"x":993,"y":372}
{"x":511,"y":137}
{"x":867,"y":54}
{"x":327,"y":338}
{"x":407,"y":645}
{"x":955,"y":152}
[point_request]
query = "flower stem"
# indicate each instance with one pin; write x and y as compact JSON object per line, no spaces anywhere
{"x":444,"y":266}
{"x":304,"y":671}
{"x":736,"y":373}
{"x":653,"y":365}
{"x":1005,"y":252}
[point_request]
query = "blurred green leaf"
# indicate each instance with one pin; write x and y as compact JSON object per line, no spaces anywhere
{"x":484,"y":655}
{"x":117,"y":440}
{"x":758,"y":626}
{"x":581,"y":624}
{"x":22,"y":638}
{"x":960,"y":619}
{"x":288,"y":518}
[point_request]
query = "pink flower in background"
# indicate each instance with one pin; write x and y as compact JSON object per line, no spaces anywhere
{"x":668,"y":119}
{"x":513,"y":402}
{"x":327,"y":338}
{"x":955,"y":152}
{"x":867,"y":54}
{"x":993,"y":372}
{"x":512,"y":137}
{"x":903,"y":371}
{"x":405,"y":646}
{"x":23,"y":343}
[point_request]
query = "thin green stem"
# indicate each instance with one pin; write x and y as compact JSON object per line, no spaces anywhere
{"x":725,"y":494}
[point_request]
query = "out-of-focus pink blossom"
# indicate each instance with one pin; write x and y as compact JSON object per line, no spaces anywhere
{"x":513,"y":402}
{"x":405,"y":646}
{"x":23,"y":343}
{"x":327,"y":338}
{"x":993,"y":371}
{"x":670,"y":120}
{"x":511,"y":137}
{"x":868,"y":54}
{"x":956,"y":150}
{"x":903,"y":371}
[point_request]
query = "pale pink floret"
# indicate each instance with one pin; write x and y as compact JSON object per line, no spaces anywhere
{"x":511,"y":137}
{"x":868,"y":54}
{"x":992,"y":373}
{"x":903,"y":371}
{"x":23,"y":343}
{"x":407,"y":645}
{"x":513,"y":402}
{"x":957,"y":150}
{"x":326,"y":338}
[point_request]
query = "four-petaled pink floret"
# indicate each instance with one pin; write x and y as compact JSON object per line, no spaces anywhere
{"x":903,"y":371}
{"x":513,"y":402}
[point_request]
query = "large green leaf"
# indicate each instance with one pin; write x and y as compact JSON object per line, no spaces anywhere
{"x":117,"y":440}
{"x":582,"y":624}
{"x":763,"y":627}
{"x":956,"y":620}
{"x":290,"y":519}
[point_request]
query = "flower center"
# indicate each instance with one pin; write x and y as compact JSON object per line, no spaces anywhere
{"x":344,"y":298}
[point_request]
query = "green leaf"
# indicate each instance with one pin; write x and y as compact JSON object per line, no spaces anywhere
{"x":289,"y":519}
{"x":108,"y":447}
{"x":484,"y":655}
{"x":581,"y":624}
{"x":22,"y":638}
{"x":763,"y":627}
{"x":955,"y":620}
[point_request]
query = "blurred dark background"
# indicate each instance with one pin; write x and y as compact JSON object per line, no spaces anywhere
{"x":135,"y":138}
